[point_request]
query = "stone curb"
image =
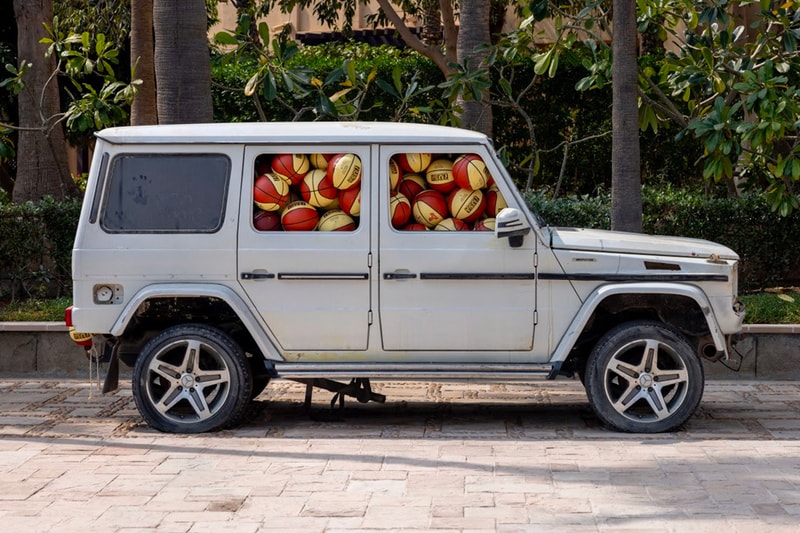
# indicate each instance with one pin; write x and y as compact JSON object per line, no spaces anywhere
{"x":770,"y":352}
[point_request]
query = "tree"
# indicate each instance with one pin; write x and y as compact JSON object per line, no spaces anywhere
{"x":472,"y":49}
{"x":42,"y":168}
{"x":143,"y":108}
{"x":626,"y":181}
{"x":182,"y":62}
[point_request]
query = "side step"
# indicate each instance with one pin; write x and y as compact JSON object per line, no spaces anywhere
{"x":415,"y":371}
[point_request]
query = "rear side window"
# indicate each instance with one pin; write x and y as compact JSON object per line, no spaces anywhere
{"x":166,"y":193}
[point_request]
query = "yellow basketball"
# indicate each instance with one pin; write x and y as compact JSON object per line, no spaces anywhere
{"x":317,"y":189}
{"x":470,"y":172}
{"x":336,"y":220}
{"x":466,"y":204}
{"x":395,"y":173}
{"x":414,"y":162}
{"x":320,"y":161}
{"x":440,"y":176}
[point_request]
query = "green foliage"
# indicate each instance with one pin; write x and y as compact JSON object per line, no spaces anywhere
{"x":765,"y":242}
{"x":35,"y":310}
{"x":772,"y":308}
{"x":36,"y":247}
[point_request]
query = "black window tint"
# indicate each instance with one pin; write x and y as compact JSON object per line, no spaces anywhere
{"x":171,"y":193}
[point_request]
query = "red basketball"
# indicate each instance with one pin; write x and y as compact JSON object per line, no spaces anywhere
{"x":452,"y":224}
{"x":400,"y":209}
{"x":440,"y":176}
{"x":466,"y":204}
{"x":414,"y":162}
{"x":266,"y":220}
{"x":470,"y":172}
{"x":299,"y":216}
{"x":317,"y":189}
{"x":430,"y":208}
{"x":395,"y":173}
{"x":320,"y":161}
{"x":350,"y":201}
{"x":270,"y":192}
{"x":484,"y":224}
{"x":494,"y":201}
{"x":415,"y":226}
{"x":344,"y":170}
{"x":292,"y":167}
{"x":411,"y":185}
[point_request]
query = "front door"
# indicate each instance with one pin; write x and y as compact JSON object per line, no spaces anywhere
{"x":449,"y":286}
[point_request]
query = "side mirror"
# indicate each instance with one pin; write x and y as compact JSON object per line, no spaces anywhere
{"x":512,"y":224}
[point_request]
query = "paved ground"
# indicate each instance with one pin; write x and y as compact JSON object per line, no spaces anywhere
{"x":433,"y":458}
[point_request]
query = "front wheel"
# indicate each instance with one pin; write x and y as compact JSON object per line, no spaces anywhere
{"x":644,"y":377}
{"x":191,"y":378}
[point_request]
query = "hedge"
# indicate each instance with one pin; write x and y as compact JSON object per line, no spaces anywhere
{"x":36,"y":238}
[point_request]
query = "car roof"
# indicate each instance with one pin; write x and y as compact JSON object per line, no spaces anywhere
{"x":290,"y":132}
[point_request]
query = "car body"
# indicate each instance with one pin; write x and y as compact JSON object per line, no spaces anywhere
{"x":196,"y":263}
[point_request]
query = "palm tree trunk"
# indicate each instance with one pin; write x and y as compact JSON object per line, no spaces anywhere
{"x":182,"y":62}
{"x":143,"y":109}
{"x":474,"y":31}
{"x":626,"y":181}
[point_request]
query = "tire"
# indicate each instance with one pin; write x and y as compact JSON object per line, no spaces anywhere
{"x":644,"y":377}
{"x":191,"y":378}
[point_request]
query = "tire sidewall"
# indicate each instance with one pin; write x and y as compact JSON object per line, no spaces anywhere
{"x":229,"y":352}
{"x":609,"y":345}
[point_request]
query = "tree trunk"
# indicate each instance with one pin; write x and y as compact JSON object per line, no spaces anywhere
{"x":182,"y":62}
{"x":42,"y":167}
{"x":474,"y":31}
{"x":143,"y":109}
{"x":626,"y":181}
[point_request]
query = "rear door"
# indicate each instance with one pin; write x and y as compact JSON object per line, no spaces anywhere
{"x":311,"y":287}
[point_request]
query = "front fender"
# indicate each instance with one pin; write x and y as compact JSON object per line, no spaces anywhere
{"x":221,"y":292}
{"x":580,"y":321}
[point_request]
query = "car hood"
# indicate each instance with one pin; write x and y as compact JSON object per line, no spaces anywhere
{"x":636,"y":243}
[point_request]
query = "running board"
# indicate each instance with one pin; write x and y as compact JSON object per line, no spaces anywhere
{"x":414,"y":371}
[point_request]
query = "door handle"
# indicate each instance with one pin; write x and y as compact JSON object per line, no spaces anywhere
{"x":399,"y":275}
{"x":257,"y":275}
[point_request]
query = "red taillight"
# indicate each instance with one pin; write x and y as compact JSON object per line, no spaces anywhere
{"x":81,"y":339}
{"x":68,"y":316}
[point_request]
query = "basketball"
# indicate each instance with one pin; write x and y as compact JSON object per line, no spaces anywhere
{"x":411,"y":185}
{"x":336,"y":220}
{"x":317,"y":189}
{"x":494,"y":201}
{"x":319,"y":161}
{"x":299,"y":216}
{"x":414,"y":162}
{"x":270,"y":193}
{"x":292,"y":167}
{"x":344,"y":171}
{"x":452,"y":224}
{"x":470,"y":172}
{"x":266,"y":220}
{"x":350,"y":201}
{"x":484,"y":224}
{"x":466,"y":205}
{"x":415,"y":226}
{"x":400,"y":209}
{"x":429,"y":208}
{"x":395,"y":174}
{"x":440,"y":176}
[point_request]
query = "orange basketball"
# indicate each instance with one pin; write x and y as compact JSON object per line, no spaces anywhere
{"x":344,"y":170}
{"x":317,"y":189}
{"x":299,"y":216}
{"x":292,"y":167}
{"x":400,"y":209}
{"x":414,"y":162}
{"x":395,"y":174}
{"x":452,"y":224}
{"x":470,"y":172}
{"x":440,"y":176}
{"x":270,"y":193}
{"x":494,"y":201}
{"x":411,"y":185}
{"x":266,"y":220}
{"x":415,"y":226}
{"x":484,"y":224}
{"x":336,"y":220}
{"x":350,"y":201}
{"x":429,"y":208}
{"x":466,"y":204}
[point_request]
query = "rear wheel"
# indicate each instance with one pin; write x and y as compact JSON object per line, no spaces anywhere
{"x":191,"y":378}
{"x":644,"y":377}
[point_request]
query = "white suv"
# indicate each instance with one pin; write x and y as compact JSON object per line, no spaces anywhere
{"x":213,"y":258}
